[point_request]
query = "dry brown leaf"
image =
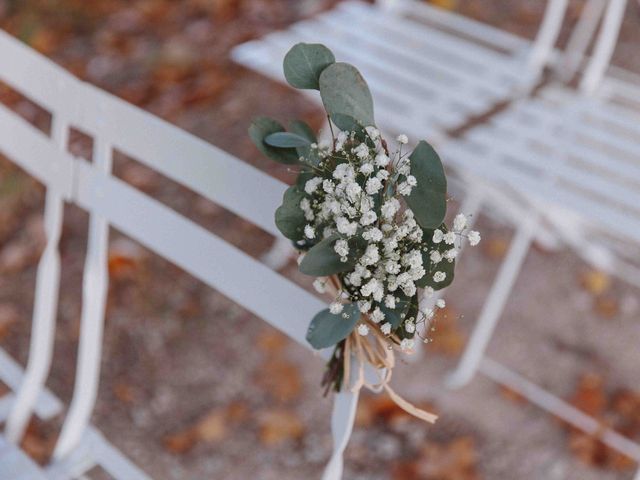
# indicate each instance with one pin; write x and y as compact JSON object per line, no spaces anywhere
{"x":446,"y":4}
{"x":447,"y":338}
{"x":124,"y":392}
{"x":9,"y":316}
{"x":596,"y":282}
{"x":590,"y":396}
{"x":272,"y":341}
{"x":619,"y":412}
{"x":283,"y":381}
{"x":278,"y":426}
{"x":455,"y":460}
{"x":607,"y":307}
{"x":38,"y":441}
{"x":495,"y":247}
{"x":212,"y":427}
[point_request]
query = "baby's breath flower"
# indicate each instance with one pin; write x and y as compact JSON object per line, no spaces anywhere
{"x":363,"y":329}
{"x":312,"y":185}
{"x":377,"y":315}
{"x":404,"y":189}
{"x":390,"y":301}
{"x":435,"y":256}
{"x":390,"y":208}
{"x":474,"y":238}
{"x":409,"y":326}
{"x":439,"y":276}
{"x":336,"y":308}
{"x":406,"y":345}
{"x":459,"y":222}
{"x":382,"y":160}
{"x":438,"y":236}
{"x":309,"y":231}
{"x":368,"y":218}
{"x":341,"y":248}
{"x":449,"y":238}
{"x":440,"y":303}
{"x":373,"y":132}
{"x":320,"y":285}
{"x":366,"y":168}
{"x":403,"y":139}
{"x":385,"y":328}
{"x":373,"y":186}
{"x":451,"y":254}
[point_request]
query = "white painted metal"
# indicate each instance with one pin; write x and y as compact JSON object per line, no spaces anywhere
{"x":45,"y":306}
{"x":94,"y":296}
{"x":604,"y":48}
{"x":425,"y":74}
{"x":494,"y":304}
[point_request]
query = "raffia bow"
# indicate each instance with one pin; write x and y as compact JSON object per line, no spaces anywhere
{"x":374,"y":350}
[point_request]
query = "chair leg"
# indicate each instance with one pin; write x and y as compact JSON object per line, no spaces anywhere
{"x":493,"y":306}
{"x":94,"y":296}
{"x":45,"y":307}
{"x":43,"y":328}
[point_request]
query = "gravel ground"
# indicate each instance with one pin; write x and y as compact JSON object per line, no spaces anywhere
{"x":195,"y":387}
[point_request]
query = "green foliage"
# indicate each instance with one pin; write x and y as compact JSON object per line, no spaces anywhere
{"x":289,"y":217}
{"x":262,"y":127}
{"x":286,"y":140}
{"x":304,"y":63}
{"x":346,"y":96}
{"x":302,"y":129}
{"x":428,"y":200}
{"x":322,"y":260}
{"x":326,"y":329}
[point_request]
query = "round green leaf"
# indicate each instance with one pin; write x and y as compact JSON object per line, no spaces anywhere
{"x":322,"y":260}
{"x":304,"y":63}
{"x":301,"y":128}
{"x":327,"y":329}
{"x":346,"y":96}
{"x":286,"y":140}
{"x":428,"y":199}
{"x":262,"y":127}
{"x":289,"y":217}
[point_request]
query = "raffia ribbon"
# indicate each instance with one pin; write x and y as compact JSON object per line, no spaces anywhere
{"x":380,"y":355}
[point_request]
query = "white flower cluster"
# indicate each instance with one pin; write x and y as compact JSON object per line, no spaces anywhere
{"x":354,"y":181}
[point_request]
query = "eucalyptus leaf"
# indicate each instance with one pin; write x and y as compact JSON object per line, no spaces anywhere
{"x":346,"y":96}
{"x":304,"y":63}
{"x":286,"y":140}
{"x":322,"y":260}
{"x":289,"y":217}
{"x":304,"y":130}
{"x":260,"y":128}
{"x":326,"y":329}
{"x":428,"y":199}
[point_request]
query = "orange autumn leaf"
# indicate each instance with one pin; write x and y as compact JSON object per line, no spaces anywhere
{"x":279,"y":426}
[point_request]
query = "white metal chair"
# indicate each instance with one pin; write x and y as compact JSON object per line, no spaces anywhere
{"x":208,"y":171}
{"x":429,"y":70}
{"x":573,"y":156}
{"x":504,"y":160}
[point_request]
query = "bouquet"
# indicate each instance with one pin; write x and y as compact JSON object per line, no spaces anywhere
{"x":367,"y":218}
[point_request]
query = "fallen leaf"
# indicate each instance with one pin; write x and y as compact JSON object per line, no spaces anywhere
{"x":38,"y":441}
{"x":606,"y":306}
{"x":495,"y":247}
{"x":272,"y":341}
{"x":455,"y":460}
{"x":9,"y":316}
{"x":124,"y":392}
{"x":212,"y":427}
{"x":279,"y":426}
{"x":596,"y":282}
{"x":283,"y":380}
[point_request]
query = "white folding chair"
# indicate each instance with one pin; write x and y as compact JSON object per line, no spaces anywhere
{"x":429,"y":70}
{"x":573,"y":156}
{"x":45,"y":158}
{"x":206,"y":170}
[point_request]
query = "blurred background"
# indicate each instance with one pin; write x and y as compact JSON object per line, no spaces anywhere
{"x":195,"y":387}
